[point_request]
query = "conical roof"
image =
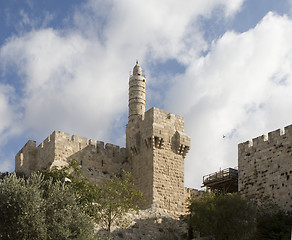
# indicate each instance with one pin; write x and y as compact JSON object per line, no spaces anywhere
{"x":137,"y":70}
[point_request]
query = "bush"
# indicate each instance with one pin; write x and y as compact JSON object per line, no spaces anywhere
{"x":223,"y":216}
{"x":272,"y":222}
{"x":35,"y":208}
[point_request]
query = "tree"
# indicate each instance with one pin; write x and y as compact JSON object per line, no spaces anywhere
{"x":117,"y":196}
{"x":105,"y":204}
{"x":222,"y":216}
{"x":22,"y":209}
{"x":272,"y":222}
{"x":65,"y":219}
{"x":38,"y":208}
{"x":86,"y":193}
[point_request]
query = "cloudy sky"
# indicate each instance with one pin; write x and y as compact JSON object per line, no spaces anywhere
{"x":224,"y":65}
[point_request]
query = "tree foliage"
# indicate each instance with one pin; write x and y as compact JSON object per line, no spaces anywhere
{"x":85,"y":192}
{"x":222,"y":216}
{"x":272,"y":222}
{"x":117,"y":196}
{"x":105,"y":204}
{"x":38,"y":208}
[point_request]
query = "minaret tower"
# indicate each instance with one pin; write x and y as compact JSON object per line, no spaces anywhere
{"x":137,"y":95}
{"x":156,"y":145}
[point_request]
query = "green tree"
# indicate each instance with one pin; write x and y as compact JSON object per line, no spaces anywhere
{"x":86,"y":193}
{"x":223,"y":216}
{"x":105,"y":204}
{"x":117,"y":196}
{"x":36,"y":208}
{"x":22,"y":209}
{"x":65,"y":218}
{"x":272,"y":222}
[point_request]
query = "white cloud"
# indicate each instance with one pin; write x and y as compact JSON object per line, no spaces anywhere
{"x":66,"y":82}
{"x":8,"y":113}
{"x":6,"y":166}
{"x":241,"y":89}
{"x":75,"y":79}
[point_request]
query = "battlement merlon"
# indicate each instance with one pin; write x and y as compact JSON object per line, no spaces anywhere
{"x":30,"y":144}
{"x":273,"y":137}
{"x":84,"y":142}
{"x":156,"y":115}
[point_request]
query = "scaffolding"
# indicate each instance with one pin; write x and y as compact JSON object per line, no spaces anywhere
{"x":223,"y":181}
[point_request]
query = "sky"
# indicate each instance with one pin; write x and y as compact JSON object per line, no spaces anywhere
{"x":225,"y":66}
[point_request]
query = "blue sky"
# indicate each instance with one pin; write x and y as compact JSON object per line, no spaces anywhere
{"x":225,"y":66}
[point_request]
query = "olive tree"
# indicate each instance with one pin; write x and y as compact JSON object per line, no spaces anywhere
{"x":223,"y":216}
{"x":38,"y":208}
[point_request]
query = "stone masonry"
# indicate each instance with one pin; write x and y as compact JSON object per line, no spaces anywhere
{"x":97,"y":161}
{"x":156,"y":146}
{"x":265,"y":167}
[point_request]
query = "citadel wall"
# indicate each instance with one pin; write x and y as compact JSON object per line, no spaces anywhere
{"x":158,"y":147}
{"x":97,"y":161}
{"x":265,"y":167}
{"x":32,"y":158}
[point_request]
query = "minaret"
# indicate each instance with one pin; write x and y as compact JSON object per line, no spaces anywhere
{"x":156,"y":145}
{"x":137,"y":94}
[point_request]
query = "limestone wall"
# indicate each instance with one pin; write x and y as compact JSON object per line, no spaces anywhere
{"x":31,"y":158}
{"x":97,"y":161}
{"x":265,"y":167}
{"x":158,"y":146}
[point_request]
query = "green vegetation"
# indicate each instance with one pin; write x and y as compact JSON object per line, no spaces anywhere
{"x":222,"y":216}
{"x":117,"y":196}
{"x":39,"y":209}
{"x":231,"y":217}
{"x":272,"y":222}
{"x":86,"y":193}
{"x":62,"y":204}
{"x":106,"y":204}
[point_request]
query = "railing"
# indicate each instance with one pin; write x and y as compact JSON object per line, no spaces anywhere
{"x":222,"y":174}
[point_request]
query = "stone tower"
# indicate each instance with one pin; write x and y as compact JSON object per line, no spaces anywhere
{"x":157,"y":145}
{"x":137,"y":95}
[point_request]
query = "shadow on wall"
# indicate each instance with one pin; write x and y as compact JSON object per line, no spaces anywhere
{"x":99,"y":163}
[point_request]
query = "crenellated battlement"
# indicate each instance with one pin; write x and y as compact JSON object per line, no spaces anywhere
{"x":59,"y":147}
{"x":48,"y":141}
{"x":274,"y":137}
{"x":82,"y":142}
{"x":264,"y":167}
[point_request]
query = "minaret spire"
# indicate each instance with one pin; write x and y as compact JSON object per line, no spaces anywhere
{"x":137,"y":94}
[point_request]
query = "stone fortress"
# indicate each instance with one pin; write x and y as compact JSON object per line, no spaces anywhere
{"x":265,"y":168}
{"x":156,"y":146}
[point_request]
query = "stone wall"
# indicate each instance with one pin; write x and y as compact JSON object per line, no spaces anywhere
{"x":265,"y":167}
{"x":158,"y":147}
{"x":31,"y":158}
{"x":97,"y":161}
